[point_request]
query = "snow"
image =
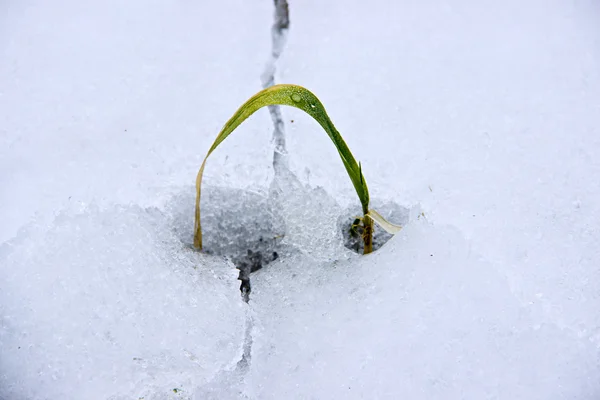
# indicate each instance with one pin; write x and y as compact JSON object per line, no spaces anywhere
{"x":479,"y":118}
{"x":435,"y":322}
{"x":493,"y":112}
{"x":103,"y":302}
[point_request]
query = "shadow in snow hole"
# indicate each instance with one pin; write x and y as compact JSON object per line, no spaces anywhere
{"x":247,"y":228}
{"x":352,"y":231}
{"x":241,"y":225}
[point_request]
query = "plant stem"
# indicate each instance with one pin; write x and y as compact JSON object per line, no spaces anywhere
{"x":367,"y":234}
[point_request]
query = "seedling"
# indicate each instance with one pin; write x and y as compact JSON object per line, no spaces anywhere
{"x":299,"y":97}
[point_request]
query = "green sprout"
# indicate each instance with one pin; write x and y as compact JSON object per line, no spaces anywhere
{"x":299,"y":97}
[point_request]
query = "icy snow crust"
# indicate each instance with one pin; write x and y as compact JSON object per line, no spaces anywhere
{"x":110,"y":303}
{"x":481,"y":123}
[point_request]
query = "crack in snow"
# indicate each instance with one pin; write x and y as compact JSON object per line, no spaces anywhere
{"x":279,"y":31}
{"x":278,"y":39}
{"x":278,"y":36}
{"x":244,"y":363}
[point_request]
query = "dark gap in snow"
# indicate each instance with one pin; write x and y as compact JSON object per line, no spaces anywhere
{"x":241,"y":225}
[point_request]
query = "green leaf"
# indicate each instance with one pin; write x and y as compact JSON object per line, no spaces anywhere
{"x":295,"y":96}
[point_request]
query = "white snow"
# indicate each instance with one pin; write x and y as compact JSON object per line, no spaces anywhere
{"x":425,"y":317}
{"x":108,"y":303}
{"x":481,"y":118}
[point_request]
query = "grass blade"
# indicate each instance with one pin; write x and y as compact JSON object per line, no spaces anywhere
{"x":295,"y":96}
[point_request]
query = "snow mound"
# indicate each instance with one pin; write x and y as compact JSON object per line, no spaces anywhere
{"x":110,"y":304}
{"x":422,"y":318}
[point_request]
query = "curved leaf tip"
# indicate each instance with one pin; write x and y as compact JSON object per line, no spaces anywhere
{"x":382,"y":222}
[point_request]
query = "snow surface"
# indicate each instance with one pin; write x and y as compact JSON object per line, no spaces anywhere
{"x":480,"y":118}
